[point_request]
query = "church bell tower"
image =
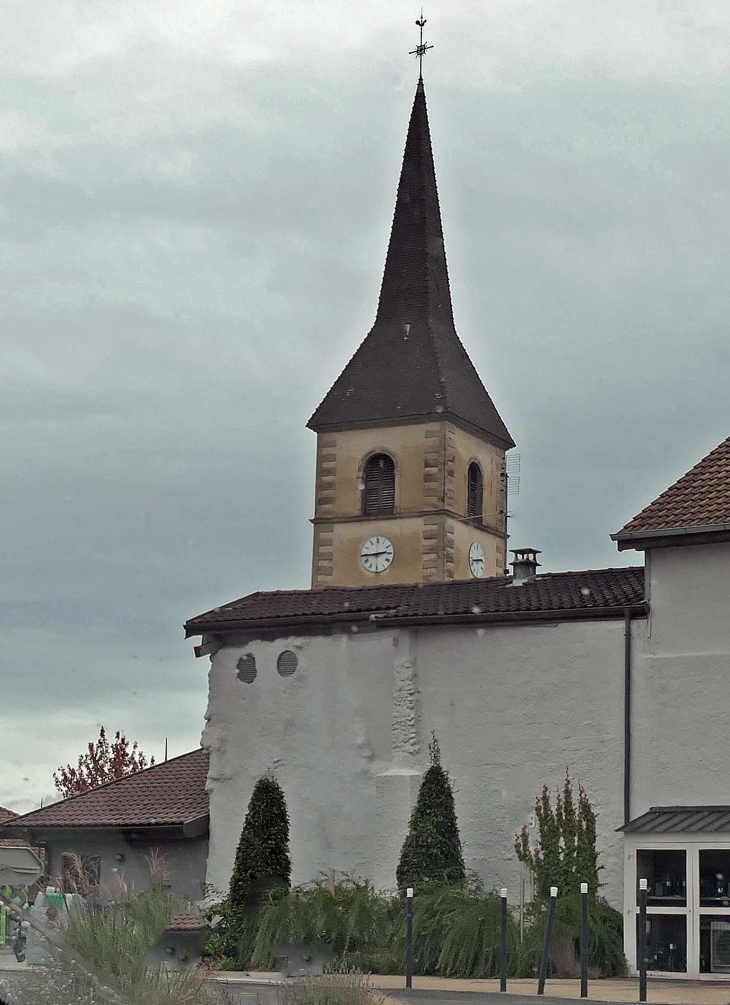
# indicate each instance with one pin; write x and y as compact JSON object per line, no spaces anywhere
{"x":410,"y":482}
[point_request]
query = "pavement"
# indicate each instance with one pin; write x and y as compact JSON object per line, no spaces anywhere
{"x":460,"y":991}
{"x":257,"y":988}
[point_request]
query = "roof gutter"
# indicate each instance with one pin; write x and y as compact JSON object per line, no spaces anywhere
{"x":38,"y":832}
{"x":627,"y":538}
{"x":389,"y":619}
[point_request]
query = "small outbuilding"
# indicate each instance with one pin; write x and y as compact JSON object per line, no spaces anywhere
{"x":147,"y":828}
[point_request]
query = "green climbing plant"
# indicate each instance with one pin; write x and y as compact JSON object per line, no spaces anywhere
{"x":565,"y":853}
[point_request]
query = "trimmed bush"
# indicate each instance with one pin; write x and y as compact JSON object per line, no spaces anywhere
{"x":431,"y":852}
{"x":262,"y":857}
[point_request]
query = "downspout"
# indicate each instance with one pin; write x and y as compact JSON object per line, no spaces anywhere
{"x":505,"y":503}
{"x":627,"y":715}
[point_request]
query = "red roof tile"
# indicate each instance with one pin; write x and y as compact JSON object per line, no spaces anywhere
{"x":186,"y":923}
{"x":700,"y":499}
{"x":567,"y":593}
{"x":168,"y":794}
{"x":412,"y":365}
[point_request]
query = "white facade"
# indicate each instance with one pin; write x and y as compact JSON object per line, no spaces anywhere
{"x":347,"y":737}
{"x":512,"y":706}
{"x":681,"y":692}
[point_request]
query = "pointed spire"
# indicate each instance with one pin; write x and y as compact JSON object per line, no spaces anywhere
{"x":415,"y":283}
{"x":412,"y":365}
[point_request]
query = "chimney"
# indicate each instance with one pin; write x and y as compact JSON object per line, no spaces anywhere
{"x":524,"y":565}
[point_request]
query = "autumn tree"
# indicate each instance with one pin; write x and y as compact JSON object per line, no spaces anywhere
{"x":431,"y":852}
{"x":101,"y":762}
{"x":564,"y":854}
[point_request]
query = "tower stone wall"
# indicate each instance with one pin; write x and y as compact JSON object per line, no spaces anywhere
{"x":429,"y":527}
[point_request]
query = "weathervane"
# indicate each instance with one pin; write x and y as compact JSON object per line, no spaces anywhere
{"x":422,"y":48}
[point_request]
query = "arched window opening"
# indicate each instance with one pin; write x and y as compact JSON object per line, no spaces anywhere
{"x":475,"y":493}
{"x":378,"y":494}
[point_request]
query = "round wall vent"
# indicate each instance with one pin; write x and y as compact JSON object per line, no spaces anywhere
{"x":287,"y":663}
{"x":246,"y":669}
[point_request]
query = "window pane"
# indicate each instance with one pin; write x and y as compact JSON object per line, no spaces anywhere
{"x":666,"y":943}
{"x":666,"y":872}
{"x":714,"y":878}
{"x":714,"y":945}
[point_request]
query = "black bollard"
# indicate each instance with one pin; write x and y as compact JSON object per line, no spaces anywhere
{"x":643,"y":886}
{"x":409,"y":937}
{"x":503,"y":943}
{"x":584,"y":940}
{"x":546,"y":943}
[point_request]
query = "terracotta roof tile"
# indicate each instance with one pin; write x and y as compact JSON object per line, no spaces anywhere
{"x":186,"y":923}
{"x":171,"y":793}
{"x":701,"y":498}
{"x":412,"y":365}
{"x":558,"y":592}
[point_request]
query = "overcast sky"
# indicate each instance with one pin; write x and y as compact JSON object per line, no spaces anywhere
{"x":196,"y":197}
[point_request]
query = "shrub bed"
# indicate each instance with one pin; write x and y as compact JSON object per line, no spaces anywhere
{"x":456,"y":932}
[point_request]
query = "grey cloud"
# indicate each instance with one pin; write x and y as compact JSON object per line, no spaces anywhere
{"x":195,"y":210}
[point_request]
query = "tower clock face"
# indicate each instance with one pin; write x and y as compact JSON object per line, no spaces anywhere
{"x":377,"y":554}
{"x":476,"y":560}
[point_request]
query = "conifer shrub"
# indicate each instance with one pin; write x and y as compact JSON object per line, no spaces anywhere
{"x":261,"y":876}
{"x":262,"y":857}
{"x":431,"y":852}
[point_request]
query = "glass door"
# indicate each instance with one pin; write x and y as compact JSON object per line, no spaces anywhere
{"x":668,"y":914}
{"x":713,"y":910}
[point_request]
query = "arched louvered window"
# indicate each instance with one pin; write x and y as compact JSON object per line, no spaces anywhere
{"x":475,"y":491}
{"x":378,"y":494}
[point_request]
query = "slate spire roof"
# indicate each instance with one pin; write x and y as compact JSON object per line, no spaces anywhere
{"x":412,"y":364}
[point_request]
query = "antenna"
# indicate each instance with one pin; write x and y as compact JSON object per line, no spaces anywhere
{"x":511,"y":479}
{"x":512,"y":467}
{"x":165,"y":748}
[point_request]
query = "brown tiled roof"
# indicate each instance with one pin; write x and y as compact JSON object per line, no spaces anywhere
{"x":186,"y":923}
{"x":171,"y":793}
{"x":699,"y":500}
{"x":422,"y":370}
{"x":558,"y":594}
{"x":5,"y":816}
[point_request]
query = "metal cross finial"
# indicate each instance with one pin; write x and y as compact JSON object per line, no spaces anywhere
{"x":422,"y":48}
